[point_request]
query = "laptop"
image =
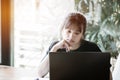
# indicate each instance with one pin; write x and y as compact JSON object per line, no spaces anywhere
{"x":79,"y":65}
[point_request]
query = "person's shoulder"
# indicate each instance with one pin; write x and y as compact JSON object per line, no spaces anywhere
{"x":52,"y":44}
{"x":89,"y":43}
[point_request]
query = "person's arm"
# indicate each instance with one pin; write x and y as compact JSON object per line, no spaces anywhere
{"x":44,"y":67}
{"x":111,"y":76}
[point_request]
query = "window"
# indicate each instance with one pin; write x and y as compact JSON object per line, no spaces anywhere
{"x":5,"y":32}
{"x":36,"y":24}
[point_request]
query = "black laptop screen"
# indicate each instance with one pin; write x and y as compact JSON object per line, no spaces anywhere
{"x":79,"y":66}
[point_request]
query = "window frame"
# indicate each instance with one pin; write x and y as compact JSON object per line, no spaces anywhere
{"x":5,"y":32}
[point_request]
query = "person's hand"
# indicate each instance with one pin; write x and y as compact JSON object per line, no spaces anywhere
{"x":60,"y":45}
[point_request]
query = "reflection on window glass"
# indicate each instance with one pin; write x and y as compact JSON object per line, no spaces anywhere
{"x":36,"y":24}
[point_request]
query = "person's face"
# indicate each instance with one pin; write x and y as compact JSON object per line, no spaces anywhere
{"x":72,"y":35}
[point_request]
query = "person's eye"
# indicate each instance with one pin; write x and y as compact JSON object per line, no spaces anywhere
{"x":77,"y":33}
{"x":69,"y":31}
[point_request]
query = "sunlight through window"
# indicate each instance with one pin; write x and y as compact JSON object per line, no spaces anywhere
{"x":36,"y":25}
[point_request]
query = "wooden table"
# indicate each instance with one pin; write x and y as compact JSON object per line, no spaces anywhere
{"x":11,"y":73}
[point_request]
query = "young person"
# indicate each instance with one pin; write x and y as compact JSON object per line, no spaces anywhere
{"x":72,"y":32}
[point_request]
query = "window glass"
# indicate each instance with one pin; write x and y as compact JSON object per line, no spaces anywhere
{"x":36,"y":25}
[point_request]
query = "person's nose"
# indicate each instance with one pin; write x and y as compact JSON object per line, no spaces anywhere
{"x":71,"y":36}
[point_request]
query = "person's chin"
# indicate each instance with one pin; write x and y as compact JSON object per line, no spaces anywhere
{"x":72,"y":44}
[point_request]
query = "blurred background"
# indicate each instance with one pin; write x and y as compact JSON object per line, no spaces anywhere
{"x":29,"y":26}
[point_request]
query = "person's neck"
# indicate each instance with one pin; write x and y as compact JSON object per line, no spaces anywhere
{"x":74,"y":47}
